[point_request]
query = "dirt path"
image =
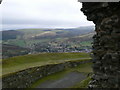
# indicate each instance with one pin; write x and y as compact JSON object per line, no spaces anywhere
{"x":65,"y":82}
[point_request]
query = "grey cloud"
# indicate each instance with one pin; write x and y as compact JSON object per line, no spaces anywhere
{"x":65,"y":13}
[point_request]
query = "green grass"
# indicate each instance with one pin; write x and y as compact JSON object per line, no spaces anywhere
{"x":16,"y":42}
{"x":50,"y":77}
{"x":82,"y":84}
{"x":84,"y":68}
{"x":86,"y":43}
{"x":18,"y":63}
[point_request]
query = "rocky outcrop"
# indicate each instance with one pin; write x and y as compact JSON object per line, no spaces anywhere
{"x":106,"y":45}
{"x":25,"y":78}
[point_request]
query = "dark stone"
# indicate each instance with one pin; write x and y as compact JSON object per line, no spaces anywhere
{"x":25,"y":78}
{"x":106,"y":43}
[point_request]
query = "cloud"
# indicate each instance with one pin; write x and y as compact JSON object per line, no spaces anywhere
{"x":43,"y":13}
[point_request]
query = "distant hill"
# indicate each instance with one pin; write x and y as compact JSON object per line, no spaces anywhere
{"x":12,"y":50}
{"x":10,"y":34}
{"x":54,"y":33}
{"x":50,"y":40}
{"x":38,"y":33}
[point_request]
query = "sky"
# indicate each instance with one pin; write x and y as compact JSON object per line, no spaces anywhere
{"x":18,"y":14}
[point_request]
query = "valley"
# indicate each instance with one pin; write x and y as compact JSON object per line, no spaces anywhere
{"x":35,"y":41}
{"x":46,"y":58}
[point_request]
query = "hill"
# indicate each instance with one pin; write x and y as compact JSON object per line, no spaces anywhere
{"x":18,"y":63}
{"x":32,"y":69}
{"x":51,"y":40}
{"x":10,"y":34}
{"x":12,"y":50}
{"x":58,"y":47}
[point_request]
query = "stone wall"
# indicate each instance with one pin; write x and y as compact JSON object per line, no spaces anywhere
{"x":106,"y":44}
{"x":25,"y":78}
{"x":0,"y":1}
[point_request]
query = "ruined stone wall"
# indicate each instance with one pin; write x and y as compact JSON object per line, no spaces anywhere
{"x":106,"y":44}
{"x":25,"y":78}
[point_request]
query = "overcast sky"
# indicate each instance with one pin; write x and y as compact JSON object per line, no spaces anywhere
{"x":42,"y":14}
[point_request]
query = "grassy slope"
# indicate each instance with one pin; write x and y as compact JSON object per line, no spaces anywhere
{"x":22,"y":62}
{"x":28,"y":33}
{"x":84,"y":68}
{"x":15,"y":42}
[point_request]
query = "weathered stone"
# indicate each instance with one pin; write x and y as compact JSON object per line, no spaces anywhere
{"x":106,"y":43}
{"x":27,"y":77}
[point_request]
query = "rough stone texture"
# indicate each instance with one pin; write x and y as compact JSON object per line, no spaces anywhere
{"x":106,"y":44}
{"x":26,"y":78}
{"x":0,"y":1}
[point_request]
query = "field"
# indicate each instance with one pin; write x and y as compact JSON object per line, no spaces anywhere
{"x":22,"y":62}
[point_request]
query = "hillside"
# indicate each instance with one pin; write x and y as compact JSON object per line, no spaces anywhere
{"x":47,"y":53}
{"x":50,"y":40}
{"x":10,"y":34}
{"x":12,"y":50}
{"x":22,"y":62}
{"x":70,"y":78}
{"x":37,"y":69}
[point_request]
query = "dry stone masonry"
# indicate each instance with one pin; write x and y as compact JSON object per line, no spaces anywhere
{"x":25,"y":78}
{"x":106,"y":44}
